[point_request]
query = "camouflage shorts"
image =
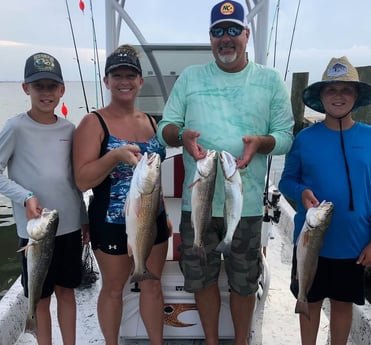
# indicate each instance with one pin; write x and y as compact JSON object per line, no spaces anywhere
{"x":243,"y":265}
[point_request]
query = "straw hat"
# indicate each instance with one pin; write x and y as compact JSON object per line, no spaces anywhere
{"x":338,"y":70}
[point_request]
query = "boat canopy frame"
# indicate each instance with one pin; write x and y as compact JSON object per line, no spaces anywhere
{"x":257,"y":19}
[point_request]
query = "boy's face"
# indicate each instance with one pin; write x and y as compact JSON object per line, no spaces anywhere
{"x":338,"y":98}
{"x":45,"y":94}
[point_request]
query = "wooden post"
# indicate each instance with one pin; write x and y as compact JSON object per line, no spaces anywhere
{"x":299,"y":83}
{"x":364,"y":114}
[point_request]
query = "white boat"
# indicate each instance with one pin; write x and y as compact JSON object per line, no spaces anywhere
{"x":274,"y":319}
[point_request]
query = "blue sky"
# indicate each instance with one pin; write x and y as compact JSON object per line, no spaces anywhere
{"x":324,"y":29}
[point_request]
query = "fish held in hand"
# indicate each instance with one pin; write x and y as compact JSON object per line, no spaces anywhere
{"x":202,"y":194}
{"x":39,"y":252}
{"x":233,"y":199}
{"x":308,"y":248}
{"x":141,"y":211}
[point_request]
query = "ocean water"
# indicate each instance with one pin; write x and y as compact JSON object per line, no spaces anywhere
{"x":14,"y":101}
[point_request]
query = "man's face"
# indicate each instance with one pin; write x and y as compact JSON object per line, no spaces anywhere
{"x":228,"y":44}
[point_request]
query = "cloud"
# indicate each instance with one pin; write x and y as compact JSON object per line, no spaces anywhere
{"x":11,"y":44}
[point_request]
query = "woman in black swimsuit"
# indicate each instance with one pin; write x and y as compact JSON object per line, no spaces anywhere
{"x":107,"y":144}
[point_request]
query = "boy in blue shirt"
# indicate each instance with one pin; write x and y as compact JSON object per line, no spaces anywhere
{"x":331,"y":161}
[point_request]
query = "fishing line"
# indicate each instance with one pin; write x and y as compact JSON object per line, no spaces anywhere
{"x":292,"y":39}
{"x":77,"y":58}
{"x":96,"y":57}
{"x":275,"y":17}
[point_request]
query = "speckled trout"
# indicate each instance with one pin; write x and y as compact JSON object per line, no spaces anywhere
{"x":39,"y":252}
{"x":202,"y":194}
{"x":233,"y":199}
{"x":141,"y":210}
{"x":308,"y":247}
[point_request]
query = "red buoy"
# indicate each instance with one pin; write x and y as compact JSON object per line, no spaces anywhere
{"x":82,"y":5}
{"x":64,"y":110}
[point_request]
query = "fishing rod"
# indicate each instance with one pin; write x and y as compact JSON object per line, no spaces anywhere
{"x":77,"y":57}
{"x":276,"y":34}
{"x":292,"y":39}
{"x":269,"y":158}
{"x":270,"y":205}
{"x":96,"y":56}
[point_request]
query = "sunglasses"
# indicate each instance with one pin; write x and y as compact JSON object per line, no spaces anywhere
{"x":232,"y":31}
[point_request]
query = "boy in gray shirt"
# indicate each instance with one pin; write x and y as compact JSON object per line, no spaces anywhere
{"x":35,"y":147}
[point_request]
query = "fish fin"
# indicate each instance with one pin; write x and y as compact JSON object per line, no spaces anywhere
{"x":22,"y":249}
{"x":194,"y":183}
{"x":302,"y":308}
{"x":224,"y":247}
{"x":138,"y":277}
{"x":25,"y":248}
{"x":31,"y":325}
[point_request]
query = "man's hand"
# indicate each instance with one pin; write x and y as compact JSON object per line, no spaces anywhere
{"x":189,"y":139}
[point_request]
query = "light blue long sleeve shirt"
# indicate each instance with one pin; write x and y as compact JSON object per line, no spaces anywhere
{"x":225,"y":107}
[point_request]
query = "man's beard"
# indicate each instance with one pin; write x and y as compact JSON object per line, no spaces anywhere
{"x":227,"y":58}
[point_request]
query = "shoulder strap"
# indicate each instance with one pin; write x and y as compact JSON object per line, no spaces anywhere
{"x":103,"y":146}
{"x":150,"y":118}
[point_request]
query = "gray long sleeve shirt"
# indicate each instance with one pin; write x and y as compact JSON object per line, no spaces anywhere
{"x":38,"y":159}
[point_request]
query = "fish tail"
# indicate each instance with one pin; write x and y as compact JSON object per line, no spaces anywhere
{"x":31,"y":325}
{"x":200,"y":252}
{"x":302,"y":308}
{"x":224,"y":247}
{"x":138,"y":277}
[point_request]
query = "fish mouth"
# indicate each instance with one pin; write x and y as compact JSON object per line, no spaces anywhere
{"x":228,"y":163}
{"x":152,"y":157}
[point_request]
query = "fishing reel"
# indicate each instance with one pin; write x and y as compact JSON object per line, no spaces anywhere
{"x":272,"y":211}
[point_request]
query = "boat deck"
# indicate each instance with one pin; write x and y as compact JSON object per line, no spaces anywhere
{"x":279,"y":323}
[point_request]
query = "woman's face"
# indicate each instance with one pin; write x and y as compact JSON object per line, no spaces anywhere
{"x":124,"y":83}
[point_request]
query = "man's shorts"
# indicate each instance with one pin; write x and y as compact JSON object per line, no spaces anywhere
{"x":65,"y":267}
{"x":112,"y":239}
{"x":337,"y":279}
{"x":243,"y":266}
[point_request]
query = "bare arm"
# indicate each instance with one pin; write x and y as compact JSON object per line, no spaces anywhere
{"x":170,"y":135}
{"x":89,"y":168}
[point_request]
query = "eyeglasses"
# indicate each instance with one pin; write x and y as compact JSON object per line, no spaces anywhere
{"x":232,"y":31}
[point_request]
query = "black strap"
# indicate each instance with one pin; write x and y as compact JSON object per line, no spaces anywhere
{"x":103,"y":146}
{"x":351,"y":202}
{"x":151,"y":121}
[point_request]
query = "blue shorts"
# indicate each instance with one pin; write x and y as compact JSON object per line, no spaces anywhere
{"x":111,"y":238}
{"x":243,"y":266}
{"x":65,"y":269}
{"x":337,"y":279}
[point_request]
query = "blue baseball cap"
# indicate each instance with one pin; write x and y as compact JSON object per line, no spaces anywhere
{"x":228,"y":11}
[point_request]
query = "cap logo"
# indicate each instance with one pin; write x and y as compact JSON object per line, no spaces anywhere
{"x":44,"y":63}
{"x":337,"y":70}
{"x":227,"y":9}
